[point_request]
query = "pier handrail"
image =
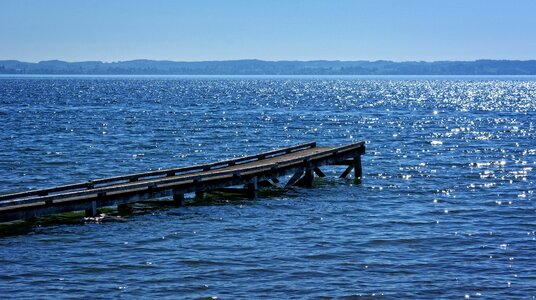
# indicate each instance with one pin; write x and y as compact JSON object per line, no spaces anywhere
{"x":153,"y":184}
{"x":165,"y":182}
{"x":90,"y":185}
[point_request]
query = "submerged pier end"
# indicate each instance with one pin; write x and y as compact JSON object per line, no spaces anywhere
{"x":253,"y":171}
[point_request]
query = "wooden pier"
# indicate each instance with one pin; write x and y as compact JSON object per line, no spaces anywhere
{"x":251,"y":172}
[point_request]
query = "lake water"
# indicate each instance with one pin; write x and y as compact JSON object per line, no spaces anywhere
{"x":446,"y":208}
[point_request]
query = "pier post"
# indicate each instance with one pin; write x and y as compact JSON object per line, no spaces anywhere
{"x":252,"y":188}
{"x":357,"y":169}
{"x":92,"y":210}
{"x":178,"y":198}
{"x":309,"y":176}
{"x":199,"y":194}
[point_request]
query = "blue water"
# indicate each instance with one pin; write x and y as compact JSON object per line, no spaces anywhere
{"x":446,"y":208}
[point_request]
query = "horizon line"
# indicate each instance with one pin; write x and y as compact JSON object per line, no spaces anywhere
{"x":266,"y":60}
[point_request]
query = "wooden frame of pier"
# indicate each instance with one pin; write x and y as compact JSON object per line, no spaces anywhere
{"x":263,"y":169}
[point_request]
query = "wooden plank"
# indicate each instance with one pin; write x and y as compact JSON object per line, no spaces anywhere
{"x":286,"y":163}
{"x":209,"y":166}
{"x":140,"y":194}
{"x":126,"y":186}
{"x":83,"y":185}
{"x":166,"y":172}
{"x":268,"y":168}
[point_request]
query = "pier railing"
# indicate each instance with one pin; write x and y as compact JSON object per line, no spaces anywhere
{"x":91,"y":185}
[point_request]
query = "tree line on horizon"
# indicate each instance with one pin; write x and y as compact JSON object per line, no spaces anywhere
{"x":260,"y":67}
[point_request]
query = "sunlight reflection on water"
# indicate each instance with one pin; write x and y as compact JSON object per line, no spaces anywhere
{"x":445,"y":208}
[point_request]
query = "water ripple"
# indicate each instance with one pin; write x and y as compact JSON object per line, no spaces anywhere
{"x":446,"y":208}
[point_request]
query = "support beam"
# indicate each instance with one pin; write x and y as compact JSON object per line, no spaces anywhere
{"x":265,"y":183}
{"x":252,"y":188}
{"x":91,"y":211}
{"x":294,"y":178}
{"x":319,"y":172}
{"x":199,"y":194}
{"x":347,"y":171}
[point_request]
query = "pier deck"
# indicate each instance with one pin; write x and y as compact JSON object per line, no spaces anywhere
{"x":263,"y":169}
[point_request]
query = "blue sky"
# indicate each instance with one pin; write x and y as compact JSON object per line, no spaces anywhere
{"x":193,"y":30}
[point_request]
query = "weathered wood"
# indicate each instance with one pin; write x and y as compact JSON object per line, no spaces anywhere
{"x":358,"y":172}
{"x":306,"y":180}
{"x":266,"y":183}
{"x":347,"y":171}
{"x":91,"y":211}
{"x":294,"y":178}
{"x":152,"y":184}
{"x":319,"y":172}
{"x":152,"y":174}
{"x":37,"y":210}
{"x":252,"y":188}
{"x":172,"y":183}
{"x":178,"y":198}
{"x":308,"y":177}
{"x":97,"y":193}
{"x":124,"y":186}
{"x":30,"y":193}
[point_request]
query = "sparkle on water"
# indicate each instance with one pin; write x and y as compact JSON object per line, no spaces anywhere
{"x":445,"y":208}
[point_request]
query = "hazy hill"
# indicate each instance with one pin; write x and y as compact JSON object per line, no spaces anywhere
{"x":259,"y":67}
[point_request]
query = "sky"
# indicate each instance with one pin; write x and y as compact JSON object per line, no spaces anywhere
{"x":198,"y":30}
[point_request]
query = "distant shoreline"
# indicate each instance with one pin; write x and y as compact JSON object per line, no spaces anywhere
{"x":290,"y":77}
{"x":269,"y":68}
